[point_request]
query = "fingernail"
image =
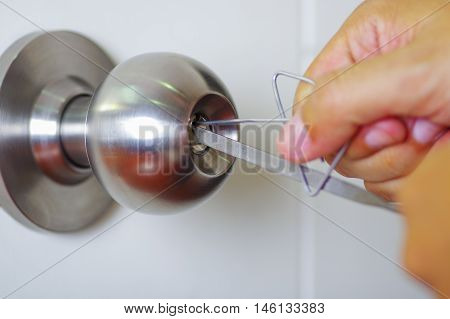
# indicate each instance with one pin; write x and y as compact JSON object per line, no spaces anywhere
{"x":378,"y":138}
{"x":303,"y":142}
{"x":295,"y":140}
{"x":425,"y":132}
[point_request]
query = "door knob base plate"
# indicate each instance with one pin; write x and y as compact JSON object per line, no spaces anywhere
{"x":39,"y":75}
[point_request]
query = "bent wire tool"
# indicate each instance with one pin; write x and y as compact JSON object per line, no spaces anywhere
{"x":314,"y":181}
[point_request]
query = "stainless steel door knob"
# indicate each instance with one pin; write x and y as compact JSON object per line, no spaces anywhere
{"x":64,"y":150}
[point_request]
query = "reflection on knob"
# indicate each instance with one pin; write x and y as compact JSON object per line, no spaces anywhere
{"x":139,"y":142}
{"x":67,"y":150}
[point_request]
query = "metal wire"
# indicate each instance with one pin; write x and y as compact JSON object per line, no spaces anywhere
{"x":241,"y":121}
{"x":276,"y":91}
{"x":282,"y":113}
{"x":304,"y":168}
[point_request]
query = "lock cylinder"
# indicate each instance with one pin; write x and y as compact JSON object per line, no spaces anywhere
{"x":140,"y":142}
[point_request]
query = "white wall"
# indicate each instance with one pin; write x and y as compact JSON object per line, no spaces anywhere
{"x":252,"y":239}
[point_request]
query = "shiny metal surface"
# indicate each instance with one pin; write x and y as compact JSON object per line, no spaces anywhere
{"x":243,"y":121}
{"x":39,"y":75}
{"x":135,"y":133}
{"x":320,"y":185}
{"x":140,"y":141}
{"x":45,"y":130}
{"x":73,"y":131}
{"x":278,"y":165}
{"x":160,"y":134}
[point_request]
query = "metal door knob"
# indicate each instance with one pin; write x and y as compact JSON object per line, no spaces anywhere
{"x":63,"y":145}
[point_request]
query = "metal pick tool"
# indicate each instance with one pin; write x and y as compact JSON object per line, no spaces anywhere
{"x":314,"y":181}
{"x":80,"y":132}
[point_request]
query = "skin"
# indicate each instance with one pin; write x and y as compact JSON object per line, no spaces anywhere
{"x":428,"y":219}
{"x":383,"y":83}
{"x":376,"y":79}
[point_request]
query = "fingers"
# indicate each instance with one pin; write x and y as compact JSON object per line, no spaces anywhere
{"x":425,"y":203}
{"x":425,"y":132}
{"x":361,"y":95}
{"x":399,"y":188}
{"x":387,"y":190}
{"x":335,"y":56}
{"x":389,"y":163}
{"x":385,"y":169}
{"x":375,"y":136}
{"x":356,"y":39}
{"x":360,"y":79}
{"x":428,"y":184}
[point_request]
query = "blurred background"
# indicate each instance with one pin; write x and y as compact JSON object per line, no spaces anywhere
{"x":256,"y":237}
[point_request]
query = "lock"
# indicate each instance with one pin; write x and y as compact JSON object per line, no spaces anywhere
{"x":77,"y":131}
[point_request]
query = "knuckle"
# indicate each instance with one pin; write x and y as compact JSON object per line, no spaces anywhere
{"x":329,"y":158}
{"x":370,"y":187}
{"x":344,"y":167}
{"x":389,"y":163}
{"x":332,"y":96}
{"x":381,"y":190}
{"x":345,"y":171}
{"x":324,"y":100}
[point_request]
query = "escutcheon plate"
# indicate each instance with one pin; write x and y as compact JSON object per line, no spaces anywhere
{"x":28,"y":69}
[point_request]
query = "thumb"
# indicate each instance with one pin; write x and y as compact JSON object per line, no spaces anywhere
{"x":399,"y":83}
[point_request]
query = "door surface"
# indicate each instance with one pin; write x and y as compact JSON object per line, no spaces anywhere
{"x":255,"y":238}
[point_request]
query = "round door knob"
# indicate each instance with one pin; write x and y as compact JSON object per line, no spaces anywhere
{"x":66,"y":150}
{"x":139,"y":140}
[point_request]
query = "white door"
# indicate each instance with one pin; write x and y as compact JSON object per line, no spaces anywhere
{"x":255,"y":238}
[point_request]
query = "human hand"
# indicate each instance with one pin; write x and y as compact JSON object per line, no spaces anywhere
{"x":384,"y":81}
{"x":426,"y":205}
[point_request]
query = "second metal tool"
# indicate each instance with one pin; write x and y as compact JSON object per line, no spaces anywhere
{"x":278,"y":165}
